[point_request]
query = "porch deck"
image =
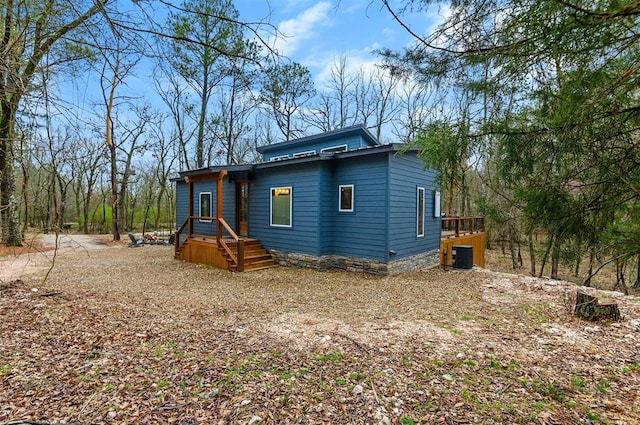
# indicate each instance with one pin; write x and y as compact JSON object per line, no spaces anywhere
{"x":462,"y":231}
{"x":221,"y":247}
{"x":204,"y":249}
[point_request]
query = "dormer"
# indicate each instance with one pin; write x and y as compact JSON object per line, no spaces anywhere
{"x":342,"y":140}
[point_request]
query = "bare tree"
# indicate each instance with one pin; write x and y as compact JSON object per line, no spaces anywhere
{"x":286,"y":89}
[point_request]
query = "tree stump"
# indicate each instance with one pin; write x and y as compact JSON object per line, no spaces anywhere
{"x":590,"y":308}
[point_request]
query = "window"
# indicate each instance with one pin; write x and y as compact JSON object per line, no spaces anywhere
{"x":279,"y":158}
{"x":420,"y":212}
{"x":339,"y":148}
{"x":346,"y":198}
{"x":301,"y":154}
{"x":281,"y":206}
{"x":205,"y":205}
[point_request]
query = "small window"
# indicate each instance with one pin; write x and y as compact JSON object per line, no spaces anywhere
{"x":279,"y":158}
{"x":281,"y":206}
{"x":420,"y":212}
{"x":346,"y":198}
{"x":205,"y":205}
{"x":339,"y":148}
{"x":301,"y":154}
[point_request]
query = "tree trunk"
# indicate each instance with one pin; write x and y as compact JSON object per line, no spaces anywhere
{"x":11,"y":235}
{"x":115,"y":229}
{"x":546,"y":255}
{"x":592,"y":261}
{"x":555,"y":258}
{"x":512,"y":247}
{"x":621,"y":266}
{"x":532,"y":254}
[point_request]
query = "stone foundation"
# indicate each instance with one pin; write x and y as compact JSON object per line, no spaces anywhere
{"x":336,"y":262}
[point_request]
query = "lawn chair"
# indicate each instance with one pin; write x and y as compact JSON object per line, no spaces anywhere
{"x":135,"y":242}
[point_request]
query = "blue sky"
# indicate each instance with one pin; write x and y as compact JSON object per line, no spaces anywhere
{"x":318,"y":32}
{"x":315,"y":33}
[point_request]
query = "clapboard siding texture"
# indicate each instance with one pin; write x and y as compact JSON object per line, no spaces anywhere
{"x":406,"y":174}
{"x":354,"y":138}
{"x":302,"y":236}
{"x":202,"y":227}
{"x":363,"y":232}
{"x":181,"y":203}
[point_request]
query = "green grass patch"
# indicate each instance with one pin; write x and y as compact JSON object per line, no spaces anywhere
{"x":578,"y":381}
{"x":603,"y":385}
{"x":328,"y":357}
{"x":406,"y":420}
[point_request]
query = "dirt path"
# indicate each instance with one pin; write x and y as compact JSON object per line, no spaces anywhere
{"x":39,"y":259}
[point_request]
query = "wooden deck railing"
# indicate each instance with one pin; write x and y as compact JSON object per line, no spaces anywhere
{"x":178,"y":243}
{"x":226,"y":238}
{"x":184,"y":232}
{"x":453,"y":227}
{"x":231,"y":243}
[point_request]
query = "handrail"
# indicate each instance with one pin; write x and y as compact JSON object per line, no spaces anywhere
{"x":226,"y":238}
{"x":462,"y":225}
{"x":237,"y":257}
{"x":176,"y":241}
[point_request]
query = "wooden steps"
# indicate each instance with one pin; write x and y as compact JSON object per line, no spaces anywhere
{"x":256,"y":257}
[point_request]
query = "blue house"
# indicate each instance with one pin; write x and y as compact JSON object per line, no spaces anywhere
{"x":334,"y":200}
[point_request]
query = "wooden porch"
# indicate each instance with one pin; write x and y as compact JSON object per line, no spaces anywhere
{"x":222,"y":248}
{"x":242,"y":255}
{"x":467,"y":231}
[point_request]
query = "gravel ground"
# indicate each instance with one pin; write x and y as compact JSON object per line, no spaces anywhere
{"x":130,"y":335}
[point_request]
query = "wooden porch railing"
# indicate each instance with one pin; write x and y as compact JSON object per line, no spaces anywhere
{"x":177,"y":243}
{"x":453,"y":227}
{"x":231,"y":243}
{"x":225,"y":238}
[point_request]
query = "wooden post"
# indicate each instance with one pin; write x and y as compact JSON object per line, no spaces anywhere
{"x":219,"y":196}
{"x":240,"y":255}
{"x":189,"y":206}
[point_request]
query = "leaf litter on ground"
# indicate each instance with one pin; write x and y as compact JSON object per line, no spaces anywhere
{"x":134,"y":336}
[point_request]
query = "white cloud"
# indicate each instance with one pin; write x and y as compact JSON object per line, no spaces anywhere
{"x":302,"y":28}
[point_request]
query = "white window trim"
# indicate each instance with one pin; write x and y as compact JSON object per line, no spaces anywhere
{"x":200,"y":205}
{"x":353,"y":196}
{"x":290,"y":207}
{"x":338,"y":148}
{"x":418,"y":217}
{"x":278,"y":158}
{"x":301,"y":154}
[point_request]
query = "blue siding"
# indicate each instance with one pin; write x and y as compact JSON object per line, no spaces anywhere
{"x":353,"y":142}
{"x":205,"y":227}
{"x":302,"y":236}
{"x":363,"y":232}
{"x":407,"y":173}
{"x":229,"y":203}
{"x":181,"y":203}
{"x":328,"y":205}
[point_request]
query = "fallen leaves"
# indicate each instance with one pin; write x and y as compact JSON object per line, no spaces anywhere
{"x":142,"y":338}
